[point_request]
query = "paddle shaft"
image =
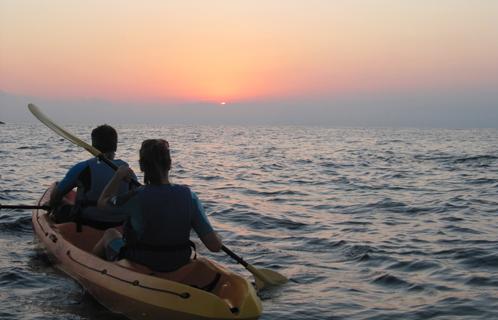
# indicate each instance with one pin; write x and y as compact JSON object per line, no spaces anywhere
{"x":115,"y":167}
{"x":234,"y":256}
{"x":7,"y":206}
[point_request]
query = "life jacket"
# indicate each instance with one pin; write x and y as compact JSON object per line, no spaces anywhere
{"x":87,"y":195}
{"x":163,"y":242}
{"x":100,"y":175}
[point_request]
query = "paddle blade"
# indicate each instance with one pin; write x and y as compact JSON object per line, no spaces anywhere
{"x":266,"y":277}
{"x":60,"y":131}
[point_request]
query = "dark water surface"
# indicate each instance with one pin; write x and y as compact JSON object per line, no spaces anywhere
{"x":369,"y":223}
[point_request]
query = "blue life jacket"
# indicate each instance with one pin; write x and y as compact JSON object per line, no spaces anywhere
{"x":163,"y":243}
{"x":101,"y":174}
{"x":86,"y":200}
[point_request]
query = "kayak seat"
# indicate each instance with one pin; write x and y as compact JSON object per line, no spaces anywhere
{"x":197,"y":273}
{"x":86,"y":239}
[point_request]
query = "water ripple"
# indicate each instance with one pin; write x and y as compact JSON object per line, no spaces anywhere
{"x":368,"y":223}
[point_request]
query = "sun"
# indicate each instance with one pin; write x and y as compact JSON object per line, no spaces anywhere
{"x":223,"y":103}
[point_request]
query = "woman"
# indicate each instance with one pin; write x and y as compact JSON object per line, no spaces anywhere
{"x":161,"y":215}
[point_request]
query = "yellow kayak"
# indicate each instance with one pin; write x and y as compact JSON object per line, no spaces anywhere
{"x":200,"y":290}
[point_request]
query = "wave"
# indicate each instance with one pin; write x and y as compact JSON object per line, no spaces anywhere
{"x":414,"y":266}
{"x":476,"y":158}
{"x":481,"y":181}
{"x":391,"y":281}
{"x":21,"y":224}
{"x":482,"y":281}
{"x":472,"y":257}
{"x":284,"y":192}
{"x":15,"y":277}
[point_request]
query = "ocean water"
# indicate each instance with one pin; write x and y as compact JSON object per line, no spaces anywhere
{"x":367,"y":223}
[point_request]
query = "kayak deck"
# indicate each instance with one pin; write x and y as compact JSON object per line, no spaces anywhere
{"x":202,"y":289}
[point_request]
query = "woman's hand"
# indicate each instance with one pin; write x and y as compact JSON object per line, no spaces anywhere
{"x":124,"y":173}
{"x":111,"y":189}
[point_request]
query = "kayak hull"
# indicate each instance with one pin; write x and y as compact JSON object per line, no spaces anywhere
{"x":126,"y":288}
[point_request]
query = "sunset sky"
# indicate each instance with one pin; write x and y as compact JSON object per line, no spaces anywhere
{"x":317,"y":54}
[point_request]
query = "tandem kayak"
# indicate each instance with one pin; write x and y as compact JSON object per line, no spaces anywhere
{"x":202,"y":289}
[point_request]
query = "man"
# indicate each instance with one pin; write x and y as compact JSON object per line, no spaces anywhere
{"x":90,"y":177}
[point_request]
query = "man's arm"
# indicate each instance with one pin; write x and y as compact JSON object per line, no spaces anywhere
{"x":69,"y":182}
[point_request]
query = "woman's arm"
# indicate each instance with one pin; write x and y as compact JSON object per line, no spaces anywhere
{"x":212,"y":241}
{"x":111,"y":189}
{"x":203,"y":227}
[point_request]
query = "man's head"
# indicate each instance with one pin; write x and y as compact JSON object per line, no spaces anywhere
{"x":105,"y":138}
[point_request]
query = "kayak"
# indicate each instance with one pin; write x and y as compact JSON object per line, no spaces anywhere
{"x":202,"y":289}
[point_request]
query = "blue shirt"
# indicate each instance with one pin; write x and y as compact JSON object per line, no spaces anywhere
{"x":91,"y":177}
{"x":75,"y":176}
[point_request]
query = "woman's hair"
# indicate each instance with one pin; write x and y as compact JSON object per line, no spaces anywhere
{"x":154,"y":160}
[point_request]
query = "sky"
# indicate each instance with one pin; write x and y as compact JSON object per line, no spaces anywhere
{"x":326,"y":62}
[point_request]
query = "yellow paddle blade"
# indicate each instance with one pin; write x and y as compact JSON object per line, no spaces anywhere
{"x":266,"y":277}
{"x":60,"y":131}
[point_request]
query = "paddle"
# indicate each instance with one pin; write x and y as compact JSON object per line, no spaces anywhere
{"x":264,"y":277}
{"x":8,"y":206}
{"x":77,"y":141}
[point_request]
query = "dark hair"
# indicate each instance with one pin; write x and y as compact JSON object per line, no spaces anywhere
{"x":105,"y":138}
{"x":154,"y":160}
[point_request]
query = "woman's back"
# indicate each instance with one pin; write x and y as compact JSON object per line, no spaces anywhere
{"x":158,"y":231}
{"x":160,"y":215}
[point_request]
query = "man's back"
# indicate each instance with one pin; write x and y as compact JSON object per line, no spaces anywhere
{"x":90,"y":177}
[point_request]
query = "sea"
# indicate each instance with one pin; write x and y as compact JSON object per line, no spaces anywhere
{"x":367,"y":223}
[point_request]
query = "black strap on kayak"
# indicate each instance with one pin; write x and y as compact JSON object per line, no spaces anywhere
{"x":210,"y":286}
{"x":76,"y":212}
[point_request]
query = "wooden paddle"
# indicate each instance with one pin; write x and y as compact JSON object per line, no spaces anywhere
{"x":263,"y":277}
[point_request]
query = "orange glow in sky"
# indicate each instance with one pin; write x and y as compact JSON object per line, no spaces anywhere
{"x":243,"y":50}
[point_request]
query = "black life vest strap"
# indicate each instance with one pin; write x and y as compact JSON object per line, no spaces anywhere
{"x":87,"y":203}
{"x":76,"y":213}
{"x":189,"y":244}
